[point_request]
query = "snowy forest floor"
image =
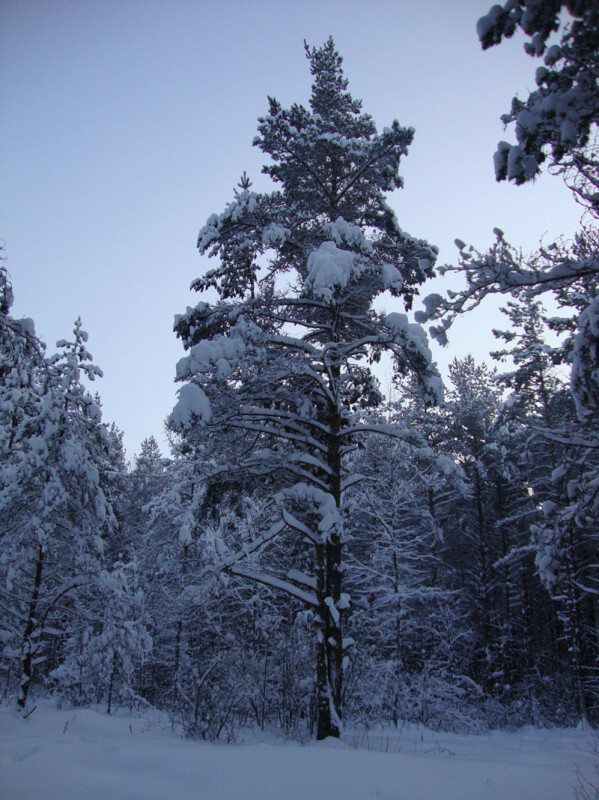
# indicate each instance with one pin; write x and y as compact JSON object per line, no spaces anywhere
{"x":85,"y":755}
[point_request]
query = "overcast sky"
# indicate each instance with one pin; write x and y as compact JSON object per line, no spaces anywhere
{"x":125,"y":124}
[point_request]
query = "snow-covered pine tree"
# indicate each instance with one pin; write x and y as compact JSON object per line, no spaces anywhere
{"x":136,"y":487}
{"x":532,"y":379}
{"x":148,"y":473}
{"x":22,"y":371}
{"x":118,"y":546}
{"x":52,"y":503}
{"x":280,"y":364}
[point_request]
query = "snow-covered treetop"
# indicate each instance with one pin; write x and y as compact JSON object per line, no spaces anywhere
{"x":334,"y":170}
{"x":299,"y":267}
{"x":329,"y":90}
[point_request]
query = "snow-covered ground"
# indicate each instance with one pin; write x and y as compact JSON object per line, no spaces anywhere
{"x":85,"y":755}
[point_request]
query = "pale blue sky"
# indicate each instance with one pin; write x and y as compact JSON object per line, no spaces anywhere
{"x":125,"y":124}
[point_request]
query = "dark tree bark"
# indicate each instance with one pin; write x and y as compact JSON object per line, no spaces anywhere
{"x":28,"y":645}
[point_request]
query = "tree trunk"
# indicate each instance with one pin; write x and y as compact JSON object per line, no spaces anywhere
{"x":27,"y":649}
{"x":329,"y":658}
{"x":111,"y":684}
{"x":398,"y":642}
{"x":484,"y":589}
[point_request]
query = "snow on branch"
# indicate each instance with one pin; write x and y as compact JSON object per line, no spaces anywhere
{"x":503,"y":269}
{"x":276,"y":583}
{"x":294,"y":523}
{"x":256,"y":544}
{"x":409,"y":436}
{"x":300,"y":577}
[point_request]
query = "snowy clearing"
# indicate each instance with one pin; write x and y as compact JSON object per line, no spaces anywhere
{"x":84,"y":755}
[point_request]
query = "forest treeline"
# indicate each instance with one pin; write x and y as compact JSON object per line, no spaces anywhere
{"x":313,"y":551}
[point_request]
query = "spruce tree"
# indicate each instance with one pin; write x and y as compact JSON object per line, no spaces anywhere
{"x":55,"y":512}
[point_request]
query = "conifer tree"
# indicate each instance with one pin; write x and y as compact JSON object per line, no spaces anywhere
{"x":52,"y":501}
{"x":278,"y":368}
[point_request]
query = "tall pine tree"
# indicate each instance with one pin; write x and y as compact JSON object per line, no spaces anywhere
{"x":280,"y":366}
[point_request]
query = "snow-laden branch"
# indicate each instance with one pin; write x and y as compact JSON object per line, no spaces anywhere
{"x":300,"y":577}
{"x":276,"y":583}
{"x":298,"y":526}
{"x":288,"y":418}
{"x":254,"y":545}
{"x":504,"y":270}
{"x":409,"y":436}
{"x":280,"y":434}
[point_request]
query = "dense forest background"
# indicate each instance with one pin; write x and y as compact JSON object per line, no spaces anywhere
{"x":314,"y":550}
